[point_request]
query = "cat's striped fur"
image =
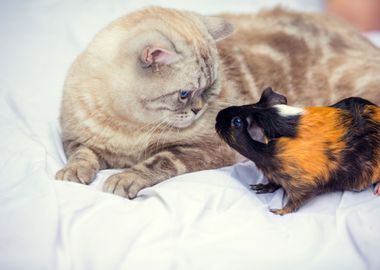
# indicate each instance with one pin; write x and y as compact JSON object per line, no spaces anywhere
{"x":122,"y":106}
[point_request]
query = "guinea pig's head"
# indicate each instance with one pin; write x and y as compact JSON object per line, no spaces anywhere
{"x":244,"y":127}
{"x":232,"y":126}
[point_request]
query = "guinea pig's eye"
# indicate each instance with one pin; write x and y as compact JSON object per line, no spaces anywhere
{"x":236,"y":122}
{"x":183,"y":94}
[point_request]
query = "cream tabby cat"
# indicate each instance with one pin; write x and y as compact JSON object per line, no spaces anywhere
{"x":145,"y":92}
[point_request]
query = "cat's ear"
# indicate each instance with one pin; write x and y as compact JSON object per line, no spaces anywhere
{"x":218,"y":27}
{"x":156,"y":55}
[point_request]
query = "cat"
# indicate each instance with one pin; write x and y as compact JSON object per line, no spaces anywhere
{"x":145,"y":92}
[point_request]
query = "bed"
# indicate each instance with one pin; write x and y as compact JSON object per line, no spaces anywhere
{"x":202,"y":220}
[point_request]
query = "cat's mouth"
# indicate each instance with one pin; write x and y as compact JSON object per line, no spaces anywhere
{"x":190,"y":119}
{"x":201,"y":112}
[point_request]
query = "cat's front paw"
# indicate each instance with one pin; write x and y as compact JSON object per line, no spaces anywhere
{"x":80,"y":172}
{"x":125,"y":184}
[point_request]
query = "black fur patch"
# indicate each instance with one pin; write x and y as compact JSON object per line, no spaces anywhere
{"x":239,"y":138}
{"x":352,"y":104}
{"x":261,"y":115}
{"x":362,"y":139}
{"x":275,"y":125}
{"x":329,"y":152}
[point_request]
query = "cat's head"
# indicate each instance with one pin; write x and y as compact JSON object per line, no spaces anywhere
{"x":160,"y":65}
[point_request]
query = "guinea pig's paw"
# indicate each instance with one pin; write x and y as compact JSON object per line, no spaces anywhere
{"x":125,"y":184}
{"x":264,"y":188}
{"x":280,"y":212}
{"x":80,"y":172}
{"x":377,"y":189}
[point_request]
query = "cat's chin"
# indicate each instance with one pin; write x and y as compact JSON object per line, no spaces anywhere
{"x":184,"y":124}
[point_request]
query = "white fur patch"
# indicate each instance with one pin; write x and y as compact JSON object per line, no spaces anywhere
{"x":285,"y":110}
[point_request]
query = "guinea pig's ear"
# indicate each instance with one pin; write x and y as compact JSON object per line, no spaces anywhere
{"x":270,"y":98}
{"x":218,"y":27}
{"x":156,"y":55}
{"x":255,"y":132}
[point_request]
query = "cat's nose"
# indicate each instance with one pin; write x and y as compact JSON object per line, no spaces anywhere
{"x":195,"y":110}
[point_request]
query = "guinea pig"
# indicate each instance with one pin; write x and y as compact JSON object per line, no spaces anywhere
{"x":306,"y":151}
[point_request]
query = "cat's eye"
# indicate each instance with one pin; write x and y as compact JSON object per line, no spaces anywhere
{"x":183,"y":94}
{"x":236,"y":122}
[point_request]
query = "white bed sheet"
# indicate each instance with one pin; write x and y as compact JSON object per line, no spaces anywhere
{"x":202,"y":220}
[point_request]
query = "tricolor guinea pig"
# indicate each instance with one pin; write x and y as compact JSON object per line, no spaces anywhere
{"x":306,"y":151}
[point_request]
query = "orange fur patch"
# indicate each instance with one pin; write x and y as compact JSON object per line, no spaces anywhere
{"x":377,"y":113}
{"x":376,"y":172}
{"x":305,"y":157}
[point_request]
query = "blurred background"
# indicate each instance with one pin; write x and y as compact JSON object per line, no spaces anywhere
{"x":363,"y":14}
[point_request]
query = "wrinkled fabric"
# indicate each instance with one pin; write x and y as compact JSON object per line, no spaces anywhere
{"x":202,"y":220}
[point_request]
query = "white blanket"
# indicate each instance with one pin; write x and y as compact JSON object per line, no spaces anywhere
{"x":202,"y":220}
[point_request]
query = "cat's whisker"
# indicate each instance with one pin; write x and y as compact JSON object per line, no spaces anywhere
{"x":163,"y":134}
{"x":152,"y":124}
{"x":146,"y":136}
{"x":223,"y":104}
{"x":156,"y":123}
{"x":161,"y":125}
